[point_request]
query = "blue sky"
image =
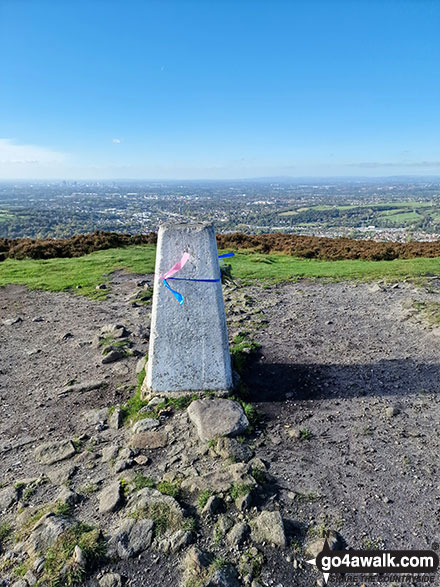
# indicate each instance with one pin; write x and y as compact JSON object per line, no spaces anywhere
{"x":219,"y":89}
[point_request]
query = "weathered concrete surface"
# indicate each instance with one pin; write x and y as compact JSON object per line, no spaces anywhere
{"x":188,"y":343}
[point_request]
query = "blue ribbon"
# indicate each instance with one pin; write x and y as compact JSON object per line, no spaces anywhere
{"x":179,"y":297}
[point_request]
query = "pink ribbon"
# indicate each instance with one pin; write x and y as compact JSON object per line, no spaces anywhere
{"x":177,"y":267}
{"x":174,"y":269}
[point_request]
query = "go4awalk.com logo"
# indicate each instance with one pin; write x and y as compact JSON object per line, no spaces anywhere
{"x":386,"y":562}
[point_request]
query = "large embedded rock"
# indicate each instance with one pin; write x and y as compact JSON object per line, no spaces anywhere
{"x":61,"y":474}
{"x":147,"y":497}
{"x":227,"y":576}
{"x":81,"y":387}
{"x":212,"y":505}
{"x":110,"y":498}
{"x":195,"y":563}
{"x":115,"y":421}
{"x":151,"y":439}
{"x":145,"y":425}
{"x":238,"y":534}
{"x":12,"y":321}
{"x":176,"y":541}
{"x":45,"y":533}
{"x":115,"y":330}
{"x":230,"y":448}
{"x":268,"y":528}
{"x":94,"y":417}
{"x":53,"y":452}
{"x":112,"y":356}
{"x":110,"y":580}
{"x":109,"y":453}
{"x":217,"y":417}
{"x":131,"y":538}
{"x":67,"y":496}
{"x":316,"y":545}
{"x":8,"y":496}
{"x":221,"y":479}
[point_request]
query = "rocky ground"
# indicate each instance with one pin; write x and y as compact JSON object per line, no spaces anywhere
{"x":343,"y":437}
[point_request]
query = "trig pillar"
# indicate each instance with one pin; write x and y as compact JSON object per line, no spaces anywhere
{"x":189,"y":349}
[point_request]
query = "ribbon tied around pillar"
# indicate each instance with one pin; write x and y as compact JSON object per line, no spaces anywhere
{"x":177,"y":267}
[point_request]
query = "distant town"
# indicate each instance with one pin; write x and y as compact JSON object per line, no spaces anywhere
{"x":398,"y":209}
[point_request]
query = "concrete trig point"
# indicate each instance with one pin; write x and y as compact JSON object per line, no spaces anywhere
{"x":189,"y":349}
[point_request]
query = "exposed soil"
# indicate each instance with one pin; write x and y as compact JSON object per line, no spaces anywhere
{"x":334,"y":358}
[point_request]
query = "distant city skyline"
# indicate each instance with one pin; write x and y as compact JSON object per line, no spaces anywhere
{"x":188,"y":90}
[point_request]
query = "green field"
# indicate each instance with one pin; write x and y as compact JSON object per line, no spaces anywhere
{"x":5,"y":216}
{"x":400,"y":216}
{"x":396,"y":212}
{"x":90,"y":270}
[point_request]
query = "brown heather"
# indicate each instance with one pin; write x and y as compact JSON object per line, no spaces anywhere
{"x":308,"y":247}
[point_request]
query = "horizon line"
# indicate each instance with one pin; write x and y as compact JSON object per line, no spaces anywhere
{"x":277,"y":178}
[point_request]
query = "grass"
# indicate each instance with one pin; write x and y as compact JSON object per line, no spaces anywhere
{"x":125,"y":489}
{"x":88,"y":489}
{"x":59,"y":567}
{"x":430,"y":311}
{"x":286,"y":268}
{"x":218,"y":564}
{"x":90,"y":270}
{"x":305,"y":434}
{"x":5,"y":532}
{"x":169,"y":488}
{"x":218,"y":534}
{"x":203,"y":497}
{"x":251,"y":563}
{"x":140,"y":482}
{"x":392,"y":207}
{"x":29,"y":492}
{"x":164,"y":517}
{"x":373,"y":543}
{"x":87,"y":271}
{"x":131,"y":409}
{"x":109,"y":343}
{"x":62,"y":509}
{"x":241,"y":348}
{"x":179,"y":403}
{"x":189,"y":524}
{"x":308,"y":497}
{"x":250,"y":411}
{"x":144,"y":297}
{"x":258,"y":475}
{"x":23,"y":533}
{"x":240,"y":489}
{"x":400,"y":216}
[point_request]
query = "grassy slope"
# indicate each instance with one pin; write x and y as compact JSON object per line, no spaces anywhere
{"x":87,"y":271}
{"x":90,"y":270}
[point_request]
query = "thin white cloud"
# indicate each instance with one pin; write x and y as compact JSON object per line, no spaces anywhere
{"x":117,"y":141}
{"x":377,"y":164}
{"x":12,"y":154}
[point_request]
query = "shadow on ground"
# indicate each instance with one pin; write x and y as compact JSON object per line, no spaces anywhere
{"x":270,"y":382}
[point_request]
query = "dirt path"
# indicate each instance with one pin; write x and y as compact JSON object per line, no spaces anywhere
{"x":341,"y":364}
{"x":347,"y":357}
